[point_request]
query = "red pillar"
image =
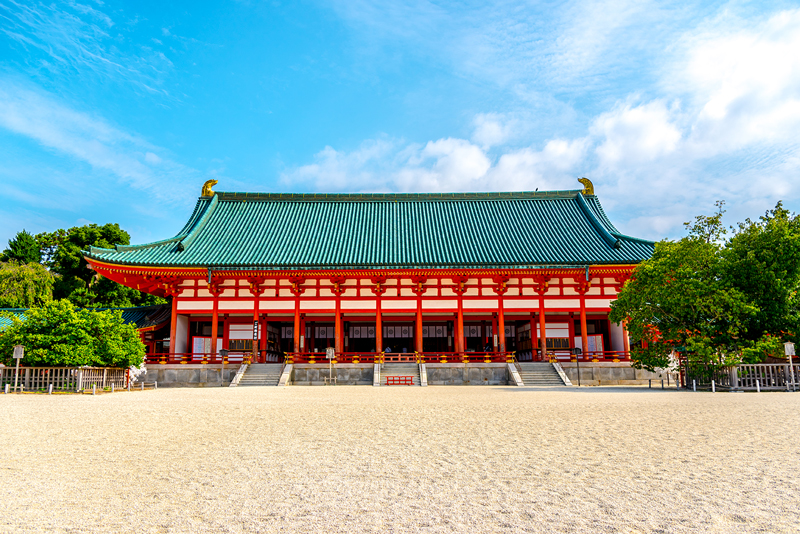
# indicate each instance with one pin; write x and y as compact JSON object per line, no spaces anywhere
{"x":173,"y":328}
{"x":459,"y":333}
{"x":418,"y":329}
{"x":339,"y":344}
{"x":584,"y":333}
{"x":303,"y":336}
{"x":378,"y":330}
{"x":214,"y":329}
{"x":542,"y":330}
{"x":501,"y":328}
{"x":262,"y":342}
{"x":297,"y":326}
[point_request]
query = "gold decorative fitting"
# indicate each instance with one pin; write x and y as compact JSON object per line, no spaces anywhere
{"x":588,"y":186}
{"x":207,"y":192}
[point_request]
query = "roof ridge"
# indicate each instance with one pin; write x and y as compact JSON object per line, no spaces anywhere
{"x":373,"y":197}
{"x":595,"y":221}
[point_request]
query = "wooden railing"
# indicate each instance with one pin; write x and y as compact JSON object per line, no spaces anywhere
{"x":389,"y":357}
{"x":744,"y":377}
{"x":566,"y":355}
{"x":64,"y":378}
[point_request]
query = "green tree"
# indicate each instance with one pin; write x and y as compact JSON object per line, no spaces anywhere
{"x":762,"y":260}
{"x":23,"y":248}
{"x":59,"y":334}
{"x":709,"y":296}
{"x":62,"y":253}
{"x":24,"y":285}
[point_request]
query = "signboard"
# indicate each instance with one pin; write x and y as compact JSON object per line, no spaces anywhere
{"x":255,"y":330}
{"x":19,"y":351}
{"x":330,"y":353}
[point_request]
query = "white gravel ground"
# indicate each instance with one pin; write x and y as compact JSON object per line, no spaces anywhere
{"x":436,"y":459}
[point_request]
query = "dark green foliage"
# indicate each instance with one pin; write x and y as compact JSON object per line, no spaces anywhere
{"x":23,"y":248}
{"x":58,"y":334}
{"x":720,"y":301}
{"x":62,"y":253}
{"x":24,"y":285}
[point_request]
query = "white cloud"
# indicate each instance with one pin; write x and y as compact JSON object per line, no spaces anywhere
{"x":745,"y":81}
{"x":92,"y":140}
{"x":493,"y":129}
{"x":443,"y":165}
{"x":75,"y":42}
{"x":635,"y":134}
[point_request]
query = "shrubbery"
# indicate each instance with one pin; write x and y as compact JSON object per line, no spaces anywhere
{"x":59,"y":334}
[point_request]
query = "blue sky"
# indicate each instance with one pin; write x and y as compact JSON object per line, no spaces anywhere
{"x":119,"y":111}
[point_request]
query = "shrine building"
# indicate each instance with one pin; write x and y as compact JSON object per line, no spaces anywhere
{"x":426,"y":277}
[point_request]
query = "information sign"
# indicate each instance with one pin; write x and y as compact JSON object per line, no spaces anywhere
{"x":19,"y":352}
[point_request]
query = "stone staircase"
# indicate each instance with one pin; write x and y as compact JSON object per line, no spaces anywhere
{"x":261,"y":374}
{"x":539,"y":374}
{"x":400,"y":369}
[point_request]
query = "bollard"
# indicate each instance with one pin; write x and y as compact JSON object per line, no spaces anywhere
{"x":155,"y":384}
{"x":94,"y":389}
{"x":6,"y":389}
{"x":662,"y":383}
{"x":129,"y":386}
{"x":758,"y":386}
{"x":50,"y":389}
{"x":112,"y":387}
{"x":142,"y":386}
{"x":713,"y":387}
{"x":650,"y":383}
{"x":694,"y":385}
{"x":667,"y":380}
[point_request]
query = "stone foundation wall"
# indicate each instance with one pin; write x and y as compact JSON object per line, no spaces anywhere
{"x":612,"y":374}
{"x":471,"y":374}
{"x":190,"y":375}
{"x":347,"y":374}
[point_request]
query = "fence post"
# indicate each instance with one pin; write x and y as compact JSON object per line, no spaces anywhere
{"x":112,"y":387}
{"x":734,"y":377}
{"x":94,"y":388}
{"x":80,"y":379}
{"x":758,"y":386}
{"x":694,"y":385}
{"x":649,"y":383}
{"x":50,"y":389}
{"x":105,"y":374}
{"x":786,"y":378}
{"x":142,"y":385}
{"x":713,"y":387}
{"x":28,"y":378}
{"x":7,"y":386}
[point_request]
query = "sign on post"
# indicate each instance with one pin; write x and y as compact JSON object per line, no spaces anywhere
{"x":255,"y":341}
{"x":19,"y":352}
{"x":330,"y":353}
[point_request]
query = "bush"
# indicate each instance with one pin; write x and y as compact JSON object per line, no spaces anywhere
{"x":59,"y":334}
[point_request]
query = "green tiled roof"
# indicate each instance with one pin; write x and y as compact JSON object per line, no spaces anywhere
{"x":390,"y":231}
{"x":141,"y":317}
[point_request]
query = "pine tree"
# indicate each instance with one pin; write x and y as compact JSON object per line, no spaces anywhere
{"x":23,"y":248}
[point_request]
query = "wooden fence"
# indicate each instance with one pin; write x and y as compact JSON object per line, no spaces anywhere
{"x":64,"y":378}
{"x":745,"y":377}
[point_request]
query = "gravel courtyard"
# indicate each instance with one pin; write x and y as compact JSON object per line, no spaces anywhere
{"x":436,"y":459}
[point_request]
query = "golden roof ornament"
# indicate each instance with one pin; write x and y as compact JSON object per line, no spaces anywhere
{"x":588,"y":186}
{"x":207,"y":192}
